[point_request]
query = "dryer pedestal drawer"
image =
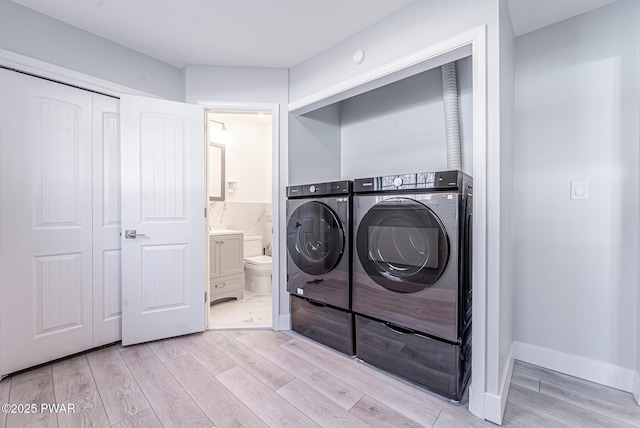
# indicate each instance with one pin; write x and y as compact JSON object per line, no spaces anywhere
{"x":438,"y":366}
{"x":330,"y":326}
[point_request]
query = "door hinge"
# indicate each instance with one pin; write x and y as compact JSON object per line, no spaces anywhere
{"x":205,"y":297}
{"x":205,"y":212}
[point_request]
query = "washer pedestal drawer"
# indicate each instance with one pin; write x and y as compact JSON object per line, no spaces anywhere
{"x":442,"y":367}
{"x":325,"y":324}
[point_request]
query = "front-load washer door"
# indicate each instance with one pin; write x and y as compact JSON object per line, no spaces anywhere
{"x":405,"y":266}
{"x":315,"y":238}
{"x":319,"y":251}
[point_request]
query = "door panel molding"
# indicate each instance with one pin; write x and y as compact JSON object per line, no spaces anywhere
{"x":164,"y":199}
{"x":45,"y":221}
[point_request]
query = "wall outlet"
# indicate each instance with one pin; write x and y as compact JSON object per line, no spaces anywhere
{"x":579,"y":189}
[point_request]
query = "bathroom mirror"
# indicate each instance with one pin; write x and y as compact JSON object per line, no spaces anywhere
{"x":216,"y":172}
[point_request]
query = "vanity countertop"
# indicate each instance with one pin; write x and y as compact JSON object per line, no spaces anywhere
{"x":214,"y":232}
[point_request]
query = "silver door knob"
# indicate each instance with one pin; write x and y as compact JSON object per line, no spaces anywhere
{"x":132,"y":234}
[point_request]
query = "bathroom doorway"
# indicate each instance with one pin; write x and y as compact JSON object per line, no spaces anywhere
{"x":240,"y":186}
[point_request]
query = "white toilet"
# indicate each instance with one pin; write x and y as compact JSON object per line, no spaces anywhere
{"x":257,"y":267}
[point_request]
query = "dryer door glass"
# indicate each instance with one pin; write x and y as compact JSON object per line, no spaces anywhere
{"x":315,"y":238}
{"x":402,"y":245}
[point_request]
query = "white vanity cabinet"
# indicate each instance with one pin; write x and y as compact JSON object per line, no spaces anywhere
{"x":226,"y":267}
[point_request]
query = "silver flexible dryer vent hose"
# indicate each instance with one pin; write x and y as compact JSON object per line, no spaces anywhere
{"x":451,"y":116}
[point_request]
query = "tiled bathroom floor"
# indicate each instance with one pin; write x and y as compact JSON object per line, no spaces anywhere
{"x":254,"y":311}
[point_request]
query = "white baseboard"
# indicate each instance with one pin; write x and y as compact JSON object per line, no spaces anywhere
{"x":284,"y":322}
{"x":494,"y":404}
{"x":573,"y":365}
{"x":636,"y":387}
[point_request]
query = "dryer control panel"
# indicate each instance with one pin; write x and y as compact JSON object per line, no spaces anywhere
{"x":435,"y":181}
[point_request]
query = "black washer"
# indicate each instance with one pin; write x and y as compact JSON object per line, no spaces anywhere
{"x":319,"y":263}
{"x":319,"y":242}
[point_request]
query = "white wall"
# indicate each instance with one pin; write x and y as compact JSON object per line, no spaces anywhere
{"x":576,"y":261}
{"x":251,"y":85}
{"x":268,"y":158}
{"x":38,"y":36}
{"x":412,"y":28}
{"x":314,"y":148}
{"x":400,"y":127}
{"x":503,"y":315}
{"x":247,"y":150}
{"x":236,"y":84}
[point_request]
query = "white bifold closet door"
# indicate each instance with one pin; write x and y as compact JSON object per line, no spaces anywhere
{"x":107,"y":255}
{"x":70,"y":279}
{"x":59,"y":221}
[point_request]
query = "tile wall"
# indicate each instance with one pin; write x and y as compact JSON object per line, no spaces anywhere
{"x":253,"y":218}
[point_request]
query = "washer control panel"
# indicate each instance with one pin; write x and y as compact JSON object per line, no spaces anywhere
{"x":320,"y":189}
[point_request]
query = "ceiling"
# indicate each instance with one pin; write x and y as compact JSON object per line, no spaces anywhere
{"x":257,"y":33}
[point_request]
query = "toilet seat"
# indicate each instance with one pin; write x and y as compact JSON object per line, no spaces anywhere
{"x":259,"y":261}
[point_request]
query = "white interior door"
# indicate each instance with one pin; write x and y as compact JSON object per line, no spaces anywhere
{"x":45,"y":221}
{"x":106,"y":221}
{"x":163,"y":201}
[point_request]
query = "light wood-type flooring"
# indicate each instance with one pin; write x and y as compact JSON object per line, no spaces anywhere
{"x":258,"y":378}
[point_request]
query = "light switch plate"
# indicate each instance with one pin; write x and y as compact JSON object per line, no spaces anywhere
{"x":579,"y":189}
